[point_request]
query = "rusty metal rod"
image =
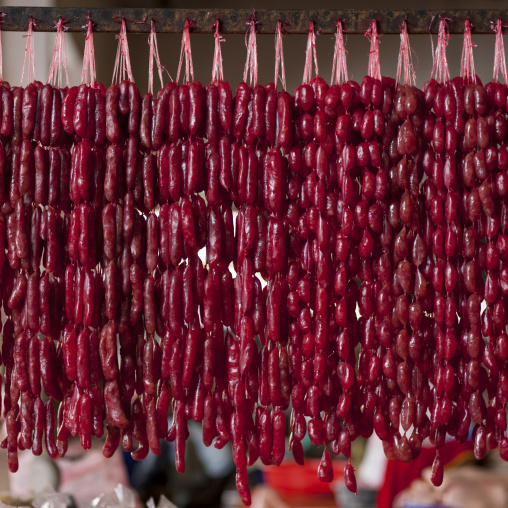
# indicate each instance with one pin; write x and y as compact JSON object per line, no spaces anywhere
{"x":233,"y":21}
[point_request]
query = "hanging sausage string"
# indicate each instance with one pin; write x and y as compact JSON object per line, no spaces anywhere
{"x":330,"y":262}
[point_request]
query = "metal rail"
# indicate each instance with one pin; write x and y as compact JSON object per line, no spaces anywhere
{"x":233,"y":21}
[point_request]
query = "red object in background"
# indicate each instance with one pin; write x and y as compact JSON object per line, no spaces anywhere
{"x":399,"y":475}
{"x":291,"y":478}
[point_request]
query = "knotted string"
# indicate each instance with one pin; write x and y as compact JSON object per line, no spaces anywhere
{"x":310,"y":53}
{"x":1,"y":63}
{"x":217,"y":69}
{"x":58,"y":64}
{"x":89,"y":57}
{"x":499,"y":57}
{"x":440,"y":70}
{"x":339,"y":69}
{"x":154,"y":55}
{"x":279,"y":56}
{"x":251,"y":62}
{"x":186,"y":52}
{"x":374,"y":70}
{"x":29,"y":50}
{"x":467,"y":71}
{"x":122,"y":69}
{"x":405,"y":61}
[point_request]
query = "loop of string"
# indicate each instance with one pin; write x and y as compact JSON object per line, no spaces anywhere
{"x":59,"y":59}
{"x":440,"y":70}
{"x":339,"y":69}
{"x":251,"y":63}
{"x":122,"y":62}
{"x":279,"y":56}
{"x":186,"y":51}
{"x":467,"y":71}
{"x":499,"y":56}
{"x":405,"y":59}
{"x":374,"y":65}
{"x":217,"y":69}
{"x":310,"y":53}
{"x":154,"y":55}
{"x":1,"y":64}
{"x":89,"y":57}
{"x":29,"y":50}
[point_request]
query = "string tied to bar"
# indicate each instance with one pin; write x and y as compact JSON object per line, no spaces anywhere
{"x":339,"y":68}
{"x":58,"y":67}
{"x":89,"y":57}
{"x":217,"y":69}
{"x":405,"y":60}
{"x":279,"y":55}
{"x":440,"y":70}
{"x":251,"y":63}
{"x":310,"y":54}
{"x":499,"y":55}
{"x":1,"y":63}
{"x":467,"y":72}
{"x":122,"y":69}
{"x":374,"y":70}
{"x":154,"y":55}
{"x":185,"y":52}
{"x":29,"y":52}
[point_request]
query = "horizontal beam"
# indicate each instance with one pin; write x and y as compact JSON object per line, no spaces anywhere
{"x":233,"y":21}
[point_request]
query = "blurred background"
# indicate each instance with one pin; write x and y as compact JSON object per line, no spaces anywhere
{"x":209,"y":479}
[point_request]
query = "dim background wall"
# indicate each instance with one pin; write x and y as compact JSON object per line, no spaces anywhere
{"x":233,"y":49}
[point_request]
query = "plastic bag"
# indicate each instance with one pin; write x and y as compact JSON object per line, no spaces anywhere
{"x":51,"y":500}
{"x":121,"y":497}
{"x":164,"y":502}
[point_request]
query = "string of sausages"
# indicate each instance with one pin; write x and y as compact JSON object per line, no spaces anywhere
{"x":340,"y":252}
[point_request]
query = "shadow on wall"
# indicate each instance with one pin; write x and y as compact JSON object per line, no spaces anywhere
{"x":234,"y":51}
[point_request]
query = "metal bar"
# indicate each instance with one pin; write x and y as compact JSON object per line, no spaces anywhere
{"x":233,"y":21}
